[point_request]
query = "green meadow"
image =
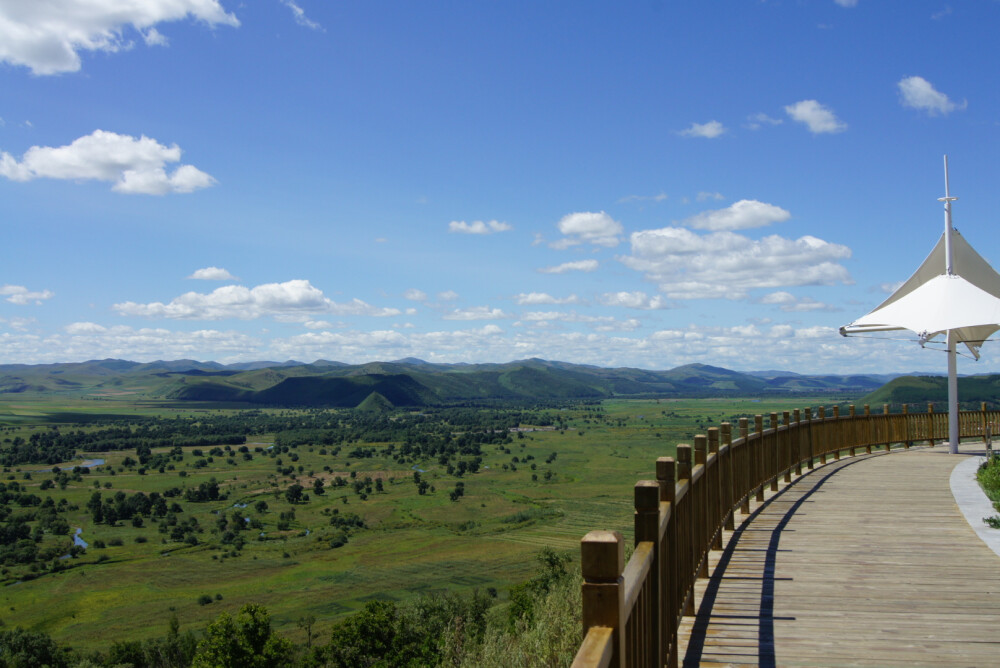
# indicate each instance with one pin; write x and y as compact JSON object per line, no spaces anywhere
{"x":544,"y":486}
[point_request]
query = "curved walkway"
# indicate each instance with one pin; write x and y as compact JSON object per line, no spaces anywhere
{"x":865,"y":561}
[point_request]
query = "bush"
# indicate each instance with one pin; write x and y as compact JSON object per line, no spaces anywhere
{"x":204,"y":599}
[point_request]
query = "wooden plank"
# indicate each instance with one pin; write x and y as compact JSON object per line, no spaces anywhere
{"x":862,"y":561}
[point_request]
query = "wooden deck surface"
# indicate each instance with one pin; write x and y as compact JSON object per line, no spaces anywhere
{"x":866,"y":561}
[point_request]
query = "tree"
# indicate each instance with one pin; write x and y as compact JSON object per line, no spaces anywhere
{"x":294,"y":493}
{"x":245,"y":642}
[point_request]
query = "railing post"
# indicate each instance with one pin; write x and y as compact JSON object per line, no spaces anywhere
{"x":745,"y":466}
{"x":647,"y":528}
{"x":773,"y":452}
{"x":686,"y":555}
{"x":809,"y":437}
{"x":821,"y":416}
{"x":786,"y":445}
{"x":907,"y":442}
{"x":666,"y":472}
{"x":982,"y":419}
{"x":836,"y":432}
{"x":730,"y":477}
{"x":888,"y":433}
{"x":868,"y":429}
{"x":758,"y":456}
{"x":854,"y":430}
{"x":798,"y":441}
{"x":930,"y":421}
{"x":703,"y":503}
{"x":602,"y":561}
{"x":715,"y":488}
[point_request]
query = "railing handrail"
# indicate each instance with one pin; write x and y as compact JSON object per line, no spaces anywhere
{"x":631,"y":611}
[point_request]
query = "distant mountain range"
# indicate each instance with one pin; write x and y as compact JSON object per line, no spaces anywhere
{"x":405,"y":382}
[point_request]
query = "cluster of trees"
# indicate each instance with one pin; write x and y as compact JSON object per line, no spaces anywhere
{"x":538,"y":626}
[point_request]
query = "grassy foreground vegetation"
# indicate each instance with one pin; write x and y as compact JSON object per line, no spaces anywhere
{"x":321,"y":518}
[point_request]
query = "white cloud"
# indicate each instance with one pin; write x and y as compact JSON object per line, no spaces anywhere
{"x":818,"y":118}
{"x":598,"y":229}
{"x":294,"y":298}
{"x":661,"y":197}
{"x":415,"y":295}
{"x":743,"y":215}
{"x":476,"y":313}
{"x":154,"y":37}
{"x":704,"y":196}
{"x":636,"y":299}
{"x":448,"y":296}
{"x":579,"y":265}
{"x":918,"y":93}
{"x":687,"y":265}
{"x":757,"y":121}
{"x":597,"y":323}
{"x":889,"y":288}
{"x":213,"y":274}
{"x":20,"y":295}
{"x":48,"y":36}
{"x":18,"y":324}
{"x":300,"y":16}
{"x":135,"y":166}
{"x":847,"y":3}
{"x":538,"y":298}
{"x":790,"y":304}
{"x":709,"y":130}
{"x":478,"y":227}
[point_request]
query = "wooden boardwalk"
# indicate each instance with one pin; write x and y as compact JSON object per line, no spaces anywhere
{"x":866,"y":561}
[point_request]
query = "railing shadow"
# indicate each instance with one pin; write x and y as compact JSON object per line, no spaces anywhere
{"x":764,"y":620}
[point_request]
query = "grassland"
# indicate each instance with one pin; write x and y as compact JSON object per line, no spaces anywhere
{"x":413,"y":544}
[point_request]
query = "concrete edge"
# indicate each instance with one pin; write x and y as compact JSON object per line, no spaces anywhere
{"x":973,"y":502}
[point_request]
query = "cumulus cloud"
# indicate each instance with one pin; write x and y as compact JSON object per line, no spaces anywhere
{"x":476,"y":313}
{"x":47,"y":37}
{"x":660,"y":197}
{"x":705,"y":195}
{"x":709,"y":130}
{"x":687,"y":265}
{"x":300,"y":16}
{"x":415,"y":295}
{"x":598,"y":229}
{"x":636,"y":299}
{"x":477,"y":227}
{"x":594,"y":322}
{"x":212,"y":274}
{"x":134,"y":166}
{"x":791,"y":304}
{"x":757,"y":121}
{"x":579,"y":265}
{"x":918,"y":93}
{"x":291,"y":298}
{"x":538,"y":298}
{"x":448,"y":296}
{"x":20,"y":295}
{"x":818,"y":118}
{"x":743,"y":215}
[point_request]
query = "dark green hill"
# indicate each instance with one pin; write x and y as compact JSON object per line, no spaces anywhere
{"x":924,"y":389}
{"x":404,"y":382}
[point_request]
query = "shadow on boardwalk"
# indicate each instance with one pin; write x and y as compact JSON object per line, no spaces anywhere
{"x":763,"y":621}
{"x":863,"y":561}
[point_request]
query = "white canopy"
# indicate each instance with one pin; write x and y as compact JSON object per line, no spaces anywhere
{"x":932,"y":301}
{"x":955,"y":292}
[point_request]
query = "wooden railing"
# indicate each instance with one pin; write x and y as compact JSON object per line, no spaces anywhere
{"x":631,"y":611}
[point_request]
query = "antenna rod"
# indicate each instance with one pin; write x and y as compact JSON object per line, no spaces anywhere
{"x":947,"y":199}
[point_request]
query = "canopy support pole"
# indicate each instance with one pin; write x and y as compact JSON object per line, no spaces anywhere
{"x":952,"y":392}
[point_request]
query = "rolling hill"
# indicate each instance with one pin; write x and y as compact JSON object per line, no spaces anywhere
{"x":405,"y":382}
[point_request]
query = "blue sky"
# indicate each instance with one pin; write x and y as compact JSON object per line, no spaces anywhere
{"x":622,"y":184}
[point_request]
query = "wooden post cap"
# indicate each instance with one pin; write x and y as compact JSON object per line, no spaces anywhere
{"x":713,"y":439}
{"x":602,"y":556}
{"x":684,"y":453}
{"x":647,"y":495}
